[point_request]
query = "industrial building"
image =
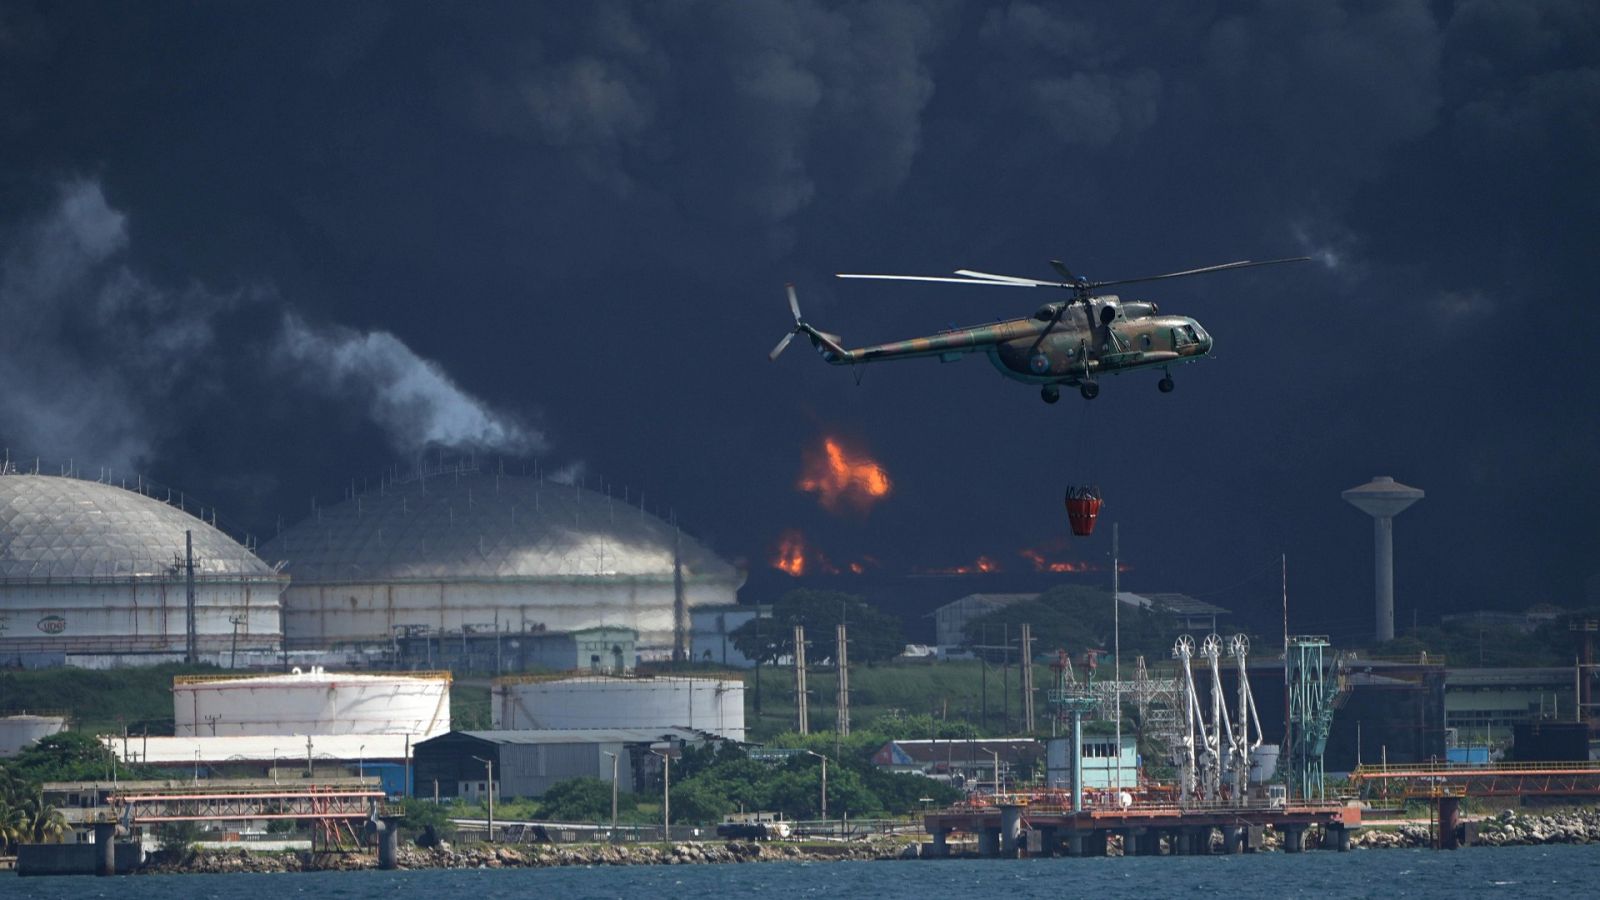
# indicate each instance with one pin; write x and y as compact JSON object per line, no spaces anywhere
{"x":970,"y":763}
{"x":96,"y":575}
{"x":950,"y":620}
{"x":1103,"y":766}
{"x":711,"y":705}
{"x":528,"y":763}
{"x":711,"y":629}
{"x":312,"y":702}
{"x":1194,"y":616}
{"x":458,"y":563}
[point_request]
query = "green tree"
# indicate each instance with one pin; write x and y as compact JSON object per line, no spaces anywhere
{"x":875,"y":636}
{"x":583,"y":800}
{"x":66,"y":756}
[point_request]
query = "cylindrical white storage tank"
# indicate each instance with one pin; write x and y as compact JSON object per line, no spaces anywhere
{"x":708,"y":704}
{"x":89,"y":569}
{"x":469,"y":551}
{"x":312,"y":702}
{"x":20,"y":730}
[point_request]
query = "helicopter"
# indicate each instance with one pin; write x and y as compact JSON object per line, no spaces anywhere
{"x":1054,"y":347}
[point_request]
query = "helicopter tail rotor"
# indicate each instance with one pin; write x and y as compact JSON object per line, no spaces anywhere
{"x":825,"y":342}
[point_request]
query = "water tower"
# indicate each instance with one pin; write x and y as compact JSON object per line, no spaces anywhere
{"x":1383,"y":498}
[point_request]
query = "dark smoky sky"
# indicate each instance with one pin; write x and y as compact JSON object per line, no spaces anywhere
{"x":259,"y":250}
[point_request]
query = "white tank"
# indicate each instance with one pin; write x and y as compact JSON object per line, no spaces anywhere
{"x":475,"y":552}
{"x":18,"y":731}
{"x":312,"y":702}
{"x":708,"y":704}
{"x":89,"y":569}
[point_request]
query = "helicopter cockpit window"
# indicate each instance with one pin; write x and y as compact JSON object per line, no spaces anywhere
{"x":1189,"y":331}
{"x":1181,"y":337}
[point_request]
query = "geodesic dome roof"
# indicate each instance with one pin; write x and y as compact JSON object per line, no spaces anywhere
{"x":472,"y":525}
{"x":64,"y":529}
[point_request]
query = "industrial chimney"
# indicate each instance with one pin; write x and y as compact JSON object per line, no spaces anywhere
{"x":1383,"y":498}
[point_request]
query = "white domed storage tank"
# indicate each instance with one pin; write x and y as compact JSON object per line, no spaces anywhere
{"x":469,"y":551}
{"x":90,"y":573}
{"x":19,"y":730}
{"x":597,"y":701}
{"x":312,"y":702}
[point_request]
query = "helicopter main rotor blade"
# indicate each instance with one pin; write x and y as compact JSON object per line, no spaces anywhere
{"x":1009,"y":279}
{"x":794,"y":307}
{"x":1066,"y":273}
{"x":782,"y":345}
{"x":985,"y":281}
{"x":1241,"y":264}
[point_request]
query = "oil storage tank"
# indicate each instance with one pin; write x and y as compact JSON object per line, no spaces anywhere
{"x":312,"y":701}
{"x":94,"y":574}
{"x":469,"y":552}
{"x":713,"y":705}
{"x":20,"y":730}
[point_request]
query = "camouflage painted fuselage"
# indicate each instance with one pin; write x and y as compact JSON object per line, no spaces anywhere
{"x":1043,"y":350}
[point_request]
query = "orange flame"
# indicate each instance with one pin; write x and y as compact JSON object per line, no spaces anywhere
{"x":1041,"y":563}
{"x":796,"y":559}
{"x":791,"y":555}
{"x":838,"y":478}
{"x":983,"y":565}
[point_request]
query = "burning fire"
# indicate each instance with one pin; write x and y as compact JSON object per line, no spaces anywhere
{"x":983,"y":565}
{"x":1043,"y":564}
{"x":794,"y":557}
{"x":839,"y":478}
{"x":791,"y":554}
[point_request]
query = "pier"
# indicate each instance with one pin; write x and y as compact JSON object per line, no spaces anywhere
{"x":1011,"y":830}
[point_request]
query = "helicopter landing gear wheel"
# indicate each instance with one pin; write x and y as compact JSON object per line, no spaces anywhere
{"x":1166,"y":384}
{"x":1089,"y":390}
{"x":1050,"y":393}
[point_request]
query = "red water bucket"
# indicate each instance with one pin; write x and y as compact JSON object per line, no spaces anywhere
{"x":1083,"y":508}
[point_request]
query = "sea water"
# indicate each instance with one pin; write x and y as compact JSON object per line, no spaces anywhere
{"x":1567,"y":872}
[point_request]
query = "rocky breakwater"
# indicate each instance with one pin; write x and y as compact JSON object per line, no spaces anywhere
{"x":1507,"y":828}
{"x":483,"y":856}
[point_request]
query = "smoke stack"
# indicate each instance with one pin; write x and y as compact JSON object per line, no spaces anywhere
{"x":1383,"y":498}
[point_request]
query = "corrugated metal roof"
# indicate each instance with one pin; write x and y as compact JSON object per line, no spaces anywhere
{"x":61,"y":528}
{"x":1182,"y":604}
{"x":481,"y":525}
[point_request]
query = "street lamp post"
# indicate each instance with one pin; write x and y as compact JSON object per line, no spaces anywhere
{"x":666,"y":794}
{"x":824,"y":782}
{"x":613,"y":793}
{"x":489,"y":764}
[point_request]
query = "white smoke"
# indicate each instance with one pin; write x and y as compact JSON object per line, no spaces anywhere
{"x":89,"y":349}
{"x":411,"y":398}
{"x":99,"y":364}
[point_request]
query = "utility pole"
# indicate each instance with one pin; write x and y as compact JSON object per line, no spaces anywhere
{"x":233,"y":653}
{"x":843,"y":725}
{"x":680,"y":603}
{"x":613,"y":794}
{"x":489,"y":764}
{"x":191,"y":648}
{"x":802,"y":720}
{"x":1116,"y":654}
{"x":1027,"y":678}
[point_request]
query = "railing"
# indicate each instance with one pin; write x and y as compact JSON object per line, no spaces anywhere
{"x":427,"y":675}
{"x":1411,"y":770}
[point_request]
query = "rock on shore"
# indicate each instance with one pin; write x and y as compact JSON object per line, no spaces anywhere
{"x":1508,"y":828}
{"x":525,"y":856}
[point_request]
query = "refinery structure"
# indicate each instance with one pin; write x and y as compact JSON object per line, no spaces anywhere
{"x":462,"y":556}
{"x":712,"y":705}
{"x":96,"y":574}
